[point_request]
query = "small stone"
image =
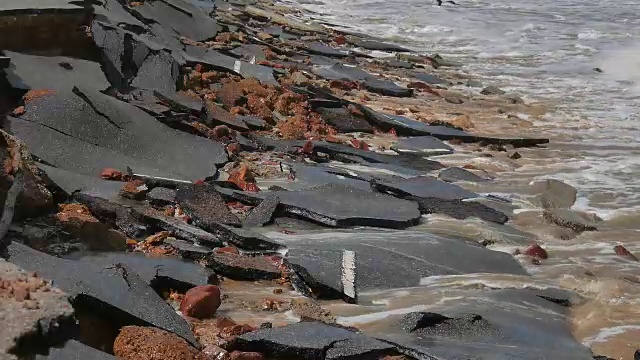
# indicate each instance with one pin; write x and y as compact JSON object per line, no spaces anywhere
{"x":266,"y":325}
{"x":111,"y":174}
{"x":515,"y":156}
{"x":30,"y":305}
{"x":238,"y":355}
{"x":233,"y":149}
{"x":622,"y":251}
{"x":201,"y":301}
{"x":536,"y":251}
{"x":18,"y":111}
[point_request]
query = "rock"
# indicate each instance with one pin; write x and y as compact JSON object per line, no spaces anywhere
{"x":515,"y":155}
{"x":262,"y":214}
{"x":492,"y":90}
{"x":555,"y":194}
{"x":243,"y":267}
{"x":137,"y":342}
{"x":205,"y":206}
{"x":474,"y":83}
{"x":160,"y":196}
{"x":161,"y":273}
{"x":454,"y":174}
{"x":522,"y":323}
{"x":201,"y":302}
{"x":344,"y":121}
{"x":425,"y":187}
{"x":459,"y":209}
{"x":387,"y":88}
{"x":536,"y":251}
{"x":111,"y":174}
{"x":426,"y":145}
{"x":574,"y":220}
{"x":622,"y":251}
{"x":78,"y":220}
{"x":129,"y":298}
{"x":313,"y":341}
{"x":27,"y":330}
{"x":383,"y":260}
{"x":340,"y":206}
{"x":90,"y":131}
{"x":73,"y":349}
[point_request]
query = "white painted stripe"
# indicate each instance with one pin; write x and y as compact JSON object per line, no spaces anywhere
{"x":349,"y":273}
{"x":236,"y":66}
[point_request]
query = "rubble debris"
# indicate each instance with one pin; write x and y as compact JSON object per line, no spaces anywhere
{"x":243,"y":267}
{"x":129,"y":298}
{"x":137,"y":342}
{"x":201,"y":301}
{"x":78,"y":220}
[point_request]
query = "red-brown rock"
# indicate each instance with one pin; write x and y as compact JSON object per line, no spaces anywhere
{"x":227,"y":250}
{"x":136,"y":342}
{"x":536,"y":251}
{"x":134,"y":189}
{"x":111,"y":174}
{"x":308,"y":148}
{"x":201,"y":301}
{"x":622,"y":251}
{"x":238,"y":355}
{"x":233,"y":149}
{"x":359,"y":144}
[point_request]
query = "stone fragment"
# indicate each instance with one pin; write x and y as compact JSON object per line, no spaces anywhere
{"x":201,"y":302}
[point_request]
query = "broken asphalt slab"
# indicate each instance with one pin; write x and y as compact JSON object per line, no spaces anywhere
{"x":262,"y":214}
{"x":425,"y":187}
{"x":421,"y":145}
{"x":385,"y":259}
{"x":243,"y":267}
{"x":407,"y":127}
{"x":53,"y":73}
{"x":34,"y":315}
{"x":454,"y":174}
{"x":123,"y":295}
{"x":85,"y":131}
{"x":204,"y":205}
{"x":312,"y":341}
{"x":343,"y":120}
{"x":493,"y":324}
{"x":341,"y":206}
{"x":161,"y":273}
{"x":74,"y":350}
{"x":459,"y":209}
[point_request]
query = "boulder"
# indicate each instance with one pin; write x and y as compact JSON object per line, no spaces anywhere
{"x":201,"y":302}
{"x":554,"y":194}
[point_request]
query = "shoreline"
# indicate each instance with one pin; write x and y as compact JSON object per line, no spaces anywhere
{"x":310,"y":160}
